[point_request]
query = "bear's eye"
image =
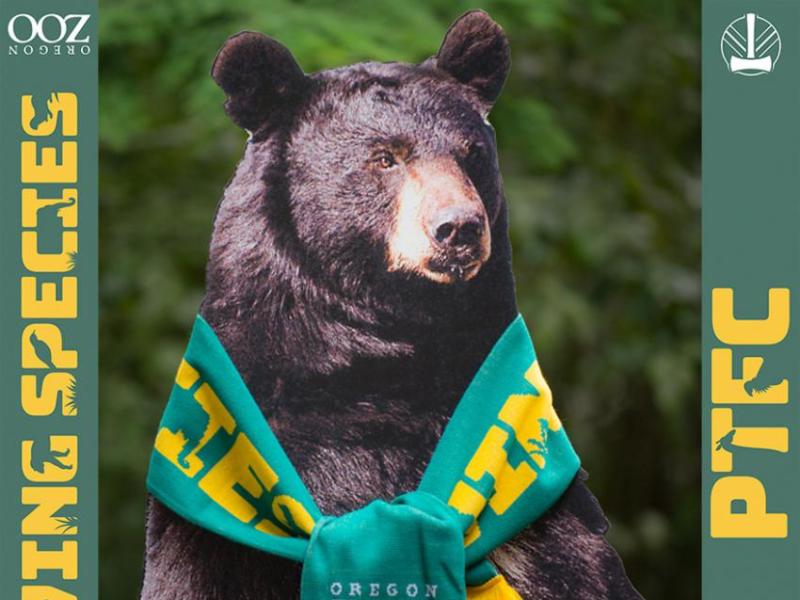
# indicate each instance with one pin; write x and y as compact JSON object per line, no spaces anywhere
{"x":472,"y":148}
{"x":385,"y":160}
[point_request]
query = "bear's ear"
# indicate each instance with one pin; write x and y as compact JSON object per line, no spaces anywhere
{"x":259,"y":76}
{"x":475,"y":51}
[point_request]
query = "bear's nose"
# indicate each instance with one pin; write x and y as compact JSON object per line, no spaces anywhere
{"x":456,"y":227}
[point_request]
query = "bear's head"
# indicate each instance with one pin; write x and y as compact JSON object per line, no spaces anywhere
{"x":376,"y":183}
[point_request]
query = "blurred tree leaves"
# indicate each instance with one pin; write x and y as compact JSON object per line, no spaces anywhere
{"x":598,"y":131}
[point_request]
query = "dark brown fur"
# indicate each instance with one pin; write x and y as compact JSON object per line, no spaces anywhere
{"x":358,"y":369}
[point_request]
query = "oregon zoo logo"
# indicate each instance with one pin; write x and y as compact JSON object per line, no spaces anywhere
{"x":50,"y":34}
{"x":750,"y":46}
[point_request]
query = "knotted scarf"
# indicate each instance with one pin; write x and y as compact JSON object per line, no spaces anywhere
{"x":501,"y":462}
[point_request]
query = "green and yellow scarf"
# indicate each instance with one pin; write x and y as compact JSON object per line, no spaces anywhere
{"x":501,"y":462}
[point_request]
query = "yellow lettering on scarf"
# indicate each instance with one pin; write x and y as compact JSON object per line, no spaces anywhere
{"x":172,"y":444}
{"x":243,"y":466}
{"x":529,"y":416}
{"x":524,"y":412}
{"x":186,"y":376}
{"x":497,"y":588}
{"x":468,"y":501}
{"x":491,"y":458}
{"x":267,"y":526}
{"x":297,"y":513}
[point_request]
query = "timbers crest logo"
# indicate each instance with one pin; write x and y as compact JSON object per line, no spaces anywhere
{"x":750,"y":46}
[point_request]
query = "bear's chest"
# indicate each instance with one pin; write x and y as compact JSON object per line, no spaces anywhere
{"x":352,"y":446}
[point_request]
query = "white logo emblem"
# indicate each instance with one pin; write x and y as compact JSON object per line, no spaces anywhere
{"x":50,"y":34}
{"x":750,"y":46}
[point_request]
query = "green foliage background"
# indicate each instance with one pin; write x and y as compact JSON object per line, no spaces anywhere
{"x":599,"y":138}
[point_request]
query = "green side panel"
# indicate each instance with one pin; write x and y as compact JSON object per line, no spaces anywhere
{"x":751,"y":189}
{"x":49,"y":47}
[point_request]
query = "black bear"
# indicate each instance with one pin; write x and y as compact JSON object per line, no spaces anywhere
{"x":359,"y":272}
